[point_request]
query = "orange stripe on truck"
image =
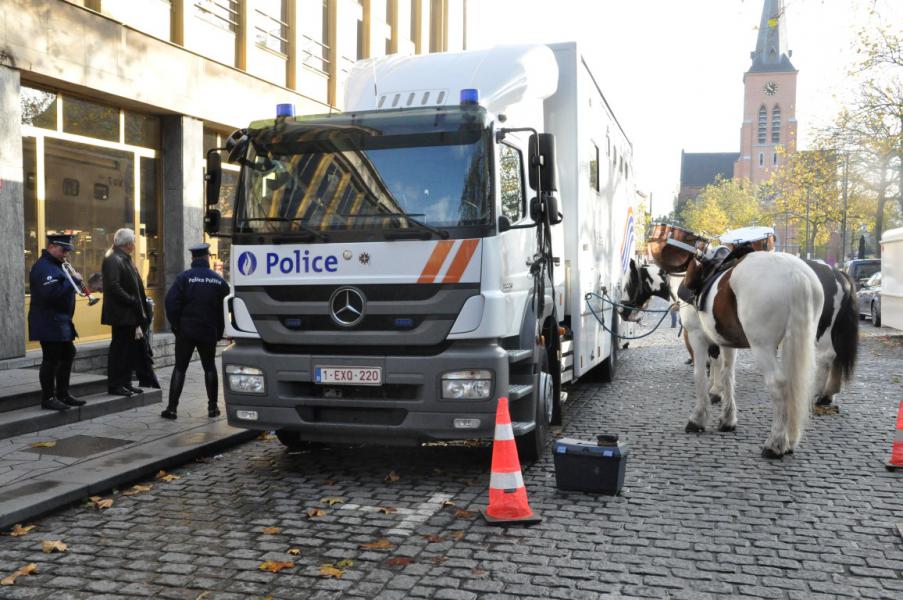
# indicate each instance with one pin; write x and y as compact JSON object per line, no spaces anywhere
{"x":434,"y":263}
{"x":461,"y":260}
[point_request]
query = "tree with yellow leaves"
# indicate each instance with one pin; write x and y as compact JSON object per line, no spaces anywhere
{"x":721,"y":206}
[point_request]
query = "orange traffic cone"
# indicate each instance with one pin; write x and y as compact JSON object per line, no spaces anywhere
{"x":896,"y":453}
{"x":507,"y":495}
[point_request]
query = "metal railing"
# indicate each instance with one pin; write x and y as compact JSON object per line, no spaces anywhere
{"x":315,"y":55}
{"x":221,"y":13}
{"x":270,"y":32}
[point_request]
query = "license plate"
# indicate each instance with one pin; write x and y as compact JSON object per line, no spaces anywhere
{"x":349,"y":375}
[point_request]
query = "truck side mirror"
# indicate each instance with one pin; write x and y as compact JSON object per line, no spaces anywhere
{"x":212,"y":221}
{"x":504,"y":224}
{"x":542,"y":162}
{"x":551,"y":206}
{"x":214,"y":176}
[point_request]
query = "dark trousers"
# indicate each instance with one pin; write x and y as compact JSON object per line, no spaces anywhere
{"x":125,"y":355}
{"x":56,"y":366}
{"x":185,"y":348}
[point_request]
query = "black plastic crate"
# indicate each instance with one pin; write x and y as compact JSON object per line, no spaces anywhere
{"x":597,"y":466}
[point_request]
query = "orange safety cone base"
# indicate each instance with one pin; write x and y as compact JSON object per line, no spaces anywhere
{"x":892,"y":467}
{"x":531,"y":519}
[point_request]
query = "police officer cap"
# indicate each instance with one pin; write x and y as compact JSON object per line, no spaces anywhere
{"x":200,"y":250}
{"x":64,"y":240}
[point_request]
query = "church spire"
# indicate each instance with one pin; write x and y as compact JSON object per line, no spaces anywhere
{"x":771,"y":54}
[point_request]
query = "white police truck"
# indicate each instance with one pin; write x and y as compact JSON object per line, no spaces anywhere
{"x":399,"y":266}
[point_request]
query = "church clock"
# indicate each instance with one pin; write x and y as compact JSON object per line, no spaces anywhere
{"x":770,"y":88}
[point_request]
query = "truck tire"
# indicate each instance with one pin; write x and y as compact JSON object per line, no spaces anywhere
{"x":609,"y":368}
{"x":876,"y":315}
{"x":530,"y":446}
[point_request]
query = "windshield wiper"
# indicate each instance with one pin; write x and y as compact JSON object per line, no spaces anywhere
{"x":401,"y":234}
{"x":307,"y":230}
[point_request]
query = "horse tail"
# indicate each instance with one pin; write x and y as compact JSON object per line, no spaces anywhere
{"x":799,"y":351}
{"x":845,"y":333}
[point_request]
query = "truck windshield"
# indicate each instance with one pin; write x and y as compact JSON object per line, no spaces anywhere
{"x":416,"y":174}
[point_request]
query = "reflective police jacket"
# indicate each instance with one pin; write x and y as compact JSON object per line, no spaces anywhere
{"x":194,"y":303}
{"x":52,"y":302}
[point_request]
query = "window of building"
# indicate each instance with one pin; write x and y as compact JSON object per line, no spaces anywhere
{"x":315,"y":35}
{"x":362,"y":50}
{"x":511,"y":182}
{"x":774,"y":158}
{"x":776,"y":124}
{"x":390,"y":24}
{"x":763,"y":124}
{"x":221,"y":13}
{"x":29,"y":193}
{"x":38,"y":107}
{"x":142,"y":130}
{"x":270,"y":25}
{"x":761,"y":159}
{"x":91,"y":119}
{"x":594,"y":166}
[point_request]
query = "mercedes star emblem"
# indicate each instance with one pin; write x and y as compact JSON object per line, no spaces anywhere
{"x":346,"y":306}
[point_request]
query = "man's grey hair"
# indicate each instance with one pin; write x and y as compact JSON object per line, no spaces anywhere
{"x":123,"y":237}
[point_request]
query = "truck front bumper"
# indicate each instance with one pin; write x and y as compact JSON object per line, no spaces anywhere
{"x":406,"y":409}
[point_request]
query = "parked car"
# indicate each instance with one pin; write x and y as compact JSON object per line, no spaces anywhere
{"x":869,"y":296}
{"x":860,"y":269}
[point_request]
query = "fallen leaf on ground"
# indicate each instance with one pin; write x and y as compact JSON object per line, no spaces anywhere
{"x":164,"y":476}
{"x":49,"y":546}
{"x":330,"y":571}
{"x":433,"y":538}
{"x":294,"y":551}
{"x":464,"y":514}
{"x":827,"y":410}
{"x":138,"y":489}
{"x":101,"y":503}
{"x":266,"y":436}
{"x":313,"y":513}
{"x":18,"y":530}
{"x":47,"y":444}
{"x":393,"y":476}
{"x":271,"y":530}
{"x":457,"y":535}
{"x":26,"y":570}
{"x":330,"y":500}
{"x":399,"y":561}
{"x":380,"y":544}
{"x":438,"y":560}
{"x":345,"y":563}
{"x":478,"y":572}
{"x":448,"y":503}
{"x":202,"y":595}
{"x":274,"y":566}
{"x":329,"y":482}
{"x":387,"y":510}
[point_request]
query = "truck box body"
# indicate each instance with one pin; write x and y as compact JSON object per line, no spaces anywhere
{"x":892,"y":278}
{"x":382,"y":315}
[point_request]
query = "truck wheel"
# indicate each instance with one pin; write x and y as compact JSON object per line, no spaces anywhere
{"x":609,"y":367}
{"x":292,"y":440}
{"x":876,"y":316}
{"x":530,"y":446}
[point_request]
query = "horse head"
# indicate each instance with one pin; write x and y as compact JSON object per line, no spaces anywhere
{"x":643,"y":282}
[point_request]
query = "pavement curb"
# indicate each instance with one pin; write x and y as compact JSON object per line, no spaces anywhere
{"x":39,"y":495}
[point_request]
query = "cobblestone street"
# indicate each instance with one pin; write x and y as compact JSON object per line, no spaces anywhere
{"x":700,"y":515}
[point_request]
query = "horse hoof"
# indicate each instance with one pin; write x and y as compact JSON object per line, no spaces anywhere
{"x":693,"y":428}
{"x":771,"y":454}
{"x":824,"y":401}
{"x":715,"y":398}
{"x":726,"y":428}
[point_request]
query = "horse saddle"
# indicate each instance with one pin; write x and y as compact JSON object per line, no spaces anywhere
{"x":721,"y":261}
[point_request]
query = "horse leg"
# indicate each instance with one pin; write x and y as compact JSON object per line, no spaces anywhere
{"x":778,"y":442}
{"x":822,"y":374}
{"x":715,"y":366}
{"x":728,"y":420}
{"x":835,"y":382}
{"x":700,"y":415}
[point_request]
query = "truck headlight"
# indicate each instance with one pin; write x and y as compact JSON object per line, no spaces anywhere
{"x":248,"y":380}
{"x":475,"y":384}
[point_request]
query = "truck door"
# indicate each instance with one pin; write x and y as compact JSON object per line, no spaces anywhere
{"x":517,"y":245}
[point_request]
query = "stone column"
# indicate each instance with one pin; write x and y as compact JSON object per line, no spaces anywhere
{"x":12,"y":219}
{"x":183,"y":192}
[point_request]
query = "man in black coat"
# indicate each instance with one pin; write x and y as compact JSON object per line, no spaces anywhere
{"x":194,"y":307}
{"x":123,"y":310}
{"x":50,"y":321}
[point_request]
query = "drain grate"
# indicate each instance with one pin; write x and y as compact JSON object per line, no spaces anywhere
{"x":79,"y":446}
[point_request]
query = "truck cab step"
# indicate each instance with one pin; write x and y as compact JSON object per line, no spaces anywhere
{"x":515,"y":356}
{"x":521,"y":427}
{"x":515,"y":392}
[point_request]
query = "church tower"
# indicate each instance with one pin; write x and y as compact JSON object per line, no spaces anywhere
{"x":769,"y":101}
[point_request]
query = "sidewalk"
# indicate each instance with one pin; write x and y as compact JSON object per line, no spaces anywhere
{"x":92,"y":457}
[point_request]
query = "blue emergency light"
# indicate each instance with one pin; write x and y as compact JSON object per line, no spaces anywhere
{"x":285,"y":110}
{"x":470,"y":96}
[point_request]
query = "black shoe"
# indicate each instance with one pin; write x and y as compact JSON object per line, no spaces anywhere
{"x":52,"y":403}
{"x":154,"y":385}
{"x":169,"y":414}
{"x":689,"y":361}
{"x":213,"y":412}
{"x":121,"y":391}
{"x":70,"y":400}
{"x":133,"y":389}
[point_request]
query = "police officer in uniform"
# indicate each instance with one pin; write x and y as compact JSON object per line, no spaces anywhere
{"x":194,"y":307}
{"x":50,"y":322}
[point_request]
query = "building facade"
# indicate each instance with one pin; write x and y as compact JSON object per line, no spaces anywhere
{"x":107,"y":108}
{"x":769,"y":100}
